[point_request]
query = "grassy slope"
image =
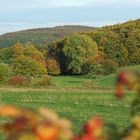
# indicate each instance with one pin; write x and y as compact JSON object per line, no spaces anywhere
{"x":110,"y":79}
{"x":78,"y":81}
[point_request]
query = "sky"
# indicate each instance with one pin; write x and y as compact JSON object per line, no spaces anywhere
{"x":16,"y":15}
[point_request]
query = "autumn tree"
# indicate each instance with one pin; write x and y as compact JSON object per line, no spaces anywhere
{"x":53,"y":67}
{"x":25,"y":66}
{"x":28,"y":61}
{"x":55,"y":50}
{"x":35,"y":54}
{"x":18,"y":50}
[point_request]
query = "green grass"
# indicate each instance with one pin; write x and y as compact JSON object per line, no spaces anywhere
{"x":77,"y":107}
{"x":70,"y":81}
{"x":78,"y":81}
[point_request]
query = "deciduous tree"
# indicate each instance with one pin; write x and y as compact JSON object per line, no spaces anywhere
{"x":77,"y":50}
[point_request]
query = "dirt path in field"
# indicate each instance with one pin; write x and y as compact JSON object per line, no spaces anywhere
{"x":69,"y":89}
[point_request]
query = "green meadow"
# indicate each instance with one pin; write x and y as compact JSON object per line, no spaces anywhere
{"x":71,"y":98}
{"x":75,"y":106}
{"x":77,"y":98}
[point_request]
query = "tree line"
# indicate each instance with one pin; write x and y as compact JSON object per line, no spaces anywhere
{"x":117,"y":45}
{"x":94,"y":53}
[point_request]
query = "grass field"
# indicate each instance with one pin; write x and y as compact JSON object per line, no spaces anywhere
{"x":76,"y":105}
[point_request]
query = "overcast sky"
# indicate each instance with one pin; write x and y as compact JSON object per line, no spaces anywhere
{"x":17,"y":15}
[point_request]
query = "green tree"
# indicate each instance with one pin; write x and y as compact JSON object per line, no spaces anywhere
{"x":133,"y":45}
{"x":77,"y":50}
{"x":4,"y":72}
{"x":6,"y":55}
{"x":135,"y":56}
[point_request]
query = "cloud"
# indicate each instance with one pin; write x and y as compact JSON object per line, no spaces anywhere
{"x":29,"y":4}
{"x":19,"y":14}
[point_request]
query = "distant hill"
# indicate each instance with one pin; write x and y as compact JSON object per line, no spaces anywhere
{"x":40,"y":36}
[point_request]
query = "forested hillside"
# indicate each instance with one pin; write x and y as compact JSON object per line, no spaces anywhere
{"x":96,"y":52}
{"x":120,"y":43}
{"x":41,"y":36}
{"x":117,"y":45}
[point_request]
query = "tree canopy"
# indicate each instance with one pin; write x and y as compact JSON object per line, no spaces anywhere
{"x":78,"y":49}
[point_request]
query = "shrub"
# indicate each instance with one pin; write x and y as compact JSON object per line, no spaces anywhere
{"x":92,"y":70}
{"x":53,"y":67}
{"x":95,"y":70}
{"x":45,"y":81}
{"x":109,"y":66}
{"x":4,"y":73}
{"x":18,"y":80}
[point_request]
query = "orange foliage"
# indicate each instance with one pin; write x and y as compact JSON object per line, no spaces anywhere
{"x":53,"y":67}
{"x":100,"y":57}
{"x":17,"y":80}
